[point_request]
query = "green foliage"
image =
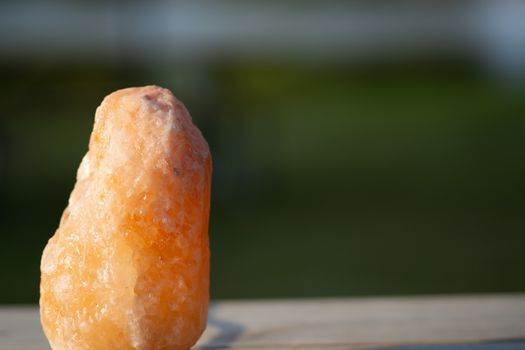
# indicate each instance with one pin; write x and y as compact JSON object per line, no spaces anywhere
{"x":327,"y":180}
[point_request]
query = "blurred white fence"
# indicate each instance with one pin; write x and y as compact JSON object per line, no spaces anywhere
{"x":494,"y":31}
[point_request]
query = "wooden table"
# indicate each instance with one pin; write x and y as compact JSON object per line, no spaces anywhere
{"x":482,"y":322}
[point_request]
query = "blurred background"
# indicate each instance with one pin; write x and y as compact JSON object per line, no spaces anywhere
{"x":360,"y":147}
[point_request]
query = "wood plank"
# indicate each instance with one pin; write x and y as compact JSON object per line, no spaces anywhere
{"x":20,"y":329}
{"x":490,"y":322}
{"x":347,"y":323}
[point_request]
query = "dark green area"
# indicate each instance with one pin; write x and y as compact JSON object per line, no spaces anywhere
{"x":328,"y":181}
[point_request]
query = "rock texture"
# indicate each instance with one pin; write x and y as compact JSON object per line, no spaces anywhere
{"x":128,"y":267}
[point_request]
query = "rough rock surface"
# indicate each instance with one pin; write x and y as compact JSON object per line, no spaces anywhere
{"x":128,"y":268}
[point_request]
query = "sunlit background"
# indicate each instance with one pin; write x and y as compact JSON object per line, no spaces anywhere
{"x":360,"y":147}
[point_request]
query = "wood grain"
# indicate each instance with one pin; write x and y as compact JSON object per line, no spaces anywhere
{"x":490,"y":322}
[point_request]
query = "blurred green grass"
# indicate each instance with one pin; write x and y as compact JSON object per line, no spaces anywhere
{"x":328,"y":181}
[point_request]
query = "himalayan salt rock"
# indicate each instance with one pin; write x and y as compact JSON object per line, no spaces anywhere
{"x":128,"y":268}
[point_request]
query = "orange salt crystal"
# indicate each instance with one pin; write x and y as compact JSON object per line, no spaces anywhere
{"x":128,"y":268}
